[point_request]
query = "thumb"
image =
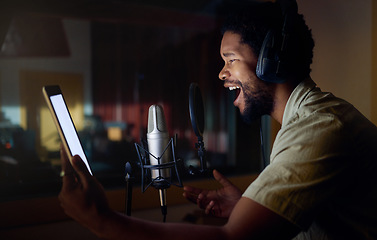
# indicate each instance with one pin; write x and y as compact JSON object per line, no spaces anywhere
{"x":221,"y":179}
{"x":81,"y":169}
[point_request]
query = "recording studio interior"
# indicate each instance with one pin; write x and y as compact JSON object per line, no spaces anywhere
{"x":113,"y":59}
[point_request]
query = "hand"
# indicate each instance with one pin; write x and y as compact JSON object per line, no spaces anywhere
{"x":220,"y":202}
{"x":82,"y":196}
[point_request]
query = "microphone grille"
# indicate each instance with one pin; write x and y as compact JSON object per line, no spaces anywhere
{"x":156,"y":119}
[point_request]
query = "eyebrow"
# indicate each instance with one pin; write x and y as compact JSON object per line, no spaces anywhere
{"x":228,"y":54}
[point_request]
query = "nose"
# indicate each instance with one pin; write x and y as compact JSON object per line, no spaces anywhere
{"x":224,"y":74}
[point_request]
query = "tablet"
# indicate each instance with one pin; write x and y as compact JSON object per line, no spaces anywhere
{"x":63,"y":121}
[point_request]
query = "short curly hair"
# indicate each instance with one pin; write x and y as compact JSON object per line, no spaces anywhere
{"x":253,"y":20}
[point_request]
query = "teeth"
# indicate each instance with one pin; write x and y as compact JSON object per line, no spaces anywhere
{"x":232,"y":88}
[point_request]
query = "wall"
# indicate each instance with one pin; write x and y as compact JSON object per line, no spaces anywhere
{"x":342,"y":60}
{"x":342,"y":31}
{"x":78,"y":35}
{"x":374,"y":61}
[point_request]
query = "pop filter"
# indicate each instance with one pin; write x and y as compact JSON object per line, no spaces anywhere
{"x":197,"y":121}
{"x":196,"y":110}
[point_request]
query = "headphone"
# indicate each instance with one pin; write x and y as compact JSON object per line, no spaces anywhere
{"x":272,"y":64}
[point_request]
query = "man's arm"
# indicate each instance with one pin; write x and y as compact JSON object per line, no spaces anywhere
{"x":83,"y":198}
{"x":250,"y":220}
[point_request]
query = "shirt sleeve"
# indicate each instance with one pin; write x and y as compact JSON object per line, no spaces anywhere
{"x":307,"y":165}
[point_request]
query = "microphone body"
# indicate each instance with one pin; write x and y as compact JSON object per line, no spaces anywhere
{"x":158,"y":140}
{"x":160,"y":152}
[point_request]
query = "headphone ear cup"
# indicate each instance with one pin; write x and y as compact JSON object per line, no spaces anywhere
{"x":263,"y":66}
{"x":268,"y":60}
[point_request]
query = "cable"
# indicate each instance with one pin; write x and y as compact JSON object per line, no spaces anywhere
{"x":262,"y":148}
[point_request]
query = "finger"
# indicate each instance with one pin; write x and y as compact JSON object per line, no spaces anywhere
{"x":68,"y":174}
{"x":202,"y":201}
{"x":221,"y":178}
{"x":191,"y":193}
{"x":209,"y":208}
{"x":192,"y":190}
{"x":190,"y":197}
{"x":66,"y":165}
{"x":81,"y":170}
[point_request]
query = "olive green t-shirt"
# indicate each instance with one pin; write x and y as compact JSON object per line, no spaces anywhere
{"x":322,"y":175}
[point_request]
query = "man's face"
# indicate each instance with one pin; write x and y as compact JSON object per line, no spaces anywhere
{"x":253,"y":95}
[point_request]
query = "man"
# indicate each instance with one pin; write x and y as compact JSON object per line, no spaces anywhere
{"x":321,"y":183}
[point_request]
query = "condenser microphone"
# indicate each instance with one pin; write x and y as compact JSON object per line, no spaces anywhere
{"x":159,"y":152}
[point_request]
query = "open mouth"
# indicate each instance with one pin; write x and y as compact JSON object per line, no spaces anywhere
{"x":237,"y":90}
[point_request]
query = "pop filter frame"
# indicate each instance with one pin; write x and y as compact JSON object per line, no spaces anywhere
{"x":196,"y":109}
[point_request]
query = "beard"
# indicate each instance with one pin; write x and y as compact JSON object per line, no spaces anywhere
{"x":258,"y":102}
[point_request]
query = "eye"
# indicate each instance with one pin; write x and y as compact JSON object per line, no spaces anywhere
{"x":232,"y":61}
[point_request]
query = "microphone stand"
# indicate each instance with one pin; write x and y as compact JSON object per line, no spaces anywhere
{"x":164,"y":208}
{"x":129,"y":183}
{"x":201,"y":153}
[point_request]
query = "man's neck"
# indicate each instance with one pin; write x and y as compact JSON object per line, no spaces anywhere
{"x":282,"y":93}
